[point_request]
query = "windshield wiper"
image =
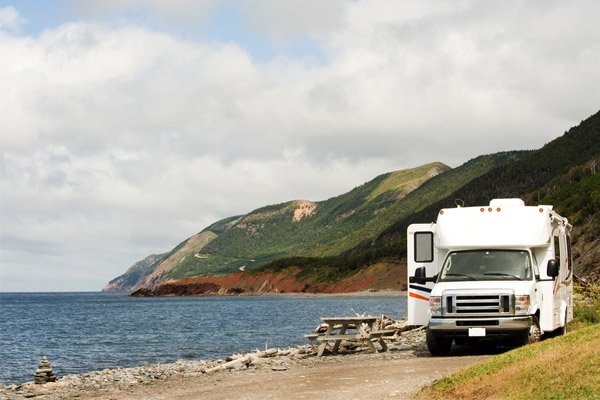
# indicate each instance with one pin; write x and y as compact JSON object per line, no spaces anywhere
{"x":467,"y":276}
{"x":503,"y":274}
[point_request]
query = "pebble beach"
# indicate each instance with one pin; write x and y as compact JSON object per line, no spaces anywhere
{"x":122,"y":382}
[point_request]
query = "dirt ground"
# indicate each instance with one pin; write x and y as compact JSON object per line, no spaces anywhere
{"x":367,"y":376}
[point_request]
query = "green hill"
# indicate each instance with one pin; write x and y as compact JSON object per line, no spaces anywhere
{"x":337,"y":237}
{"x":303,"y":228}
{"x":563,"y":173}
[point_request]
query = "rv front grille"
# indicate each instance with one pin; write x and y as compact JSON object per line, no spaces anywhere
{"x":478,"y":304}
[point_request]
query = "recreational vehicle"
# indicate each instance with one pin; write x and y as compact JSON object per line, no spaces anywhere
{"x":494,"y":272}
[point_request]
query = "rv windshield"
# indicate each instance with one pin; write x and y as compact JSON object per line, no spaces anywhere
{"x":487,"y":265}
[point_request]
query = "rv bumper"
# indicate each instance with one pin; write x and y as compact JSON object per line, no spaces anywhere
{"x":467,"y":327}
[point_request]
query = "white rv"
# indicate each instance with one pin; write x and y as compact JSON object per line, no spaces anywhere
{"x":502,"y":271}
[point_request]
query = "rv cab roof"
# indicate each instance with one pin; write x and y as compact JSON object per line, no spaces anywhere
{"x":507,"y":203}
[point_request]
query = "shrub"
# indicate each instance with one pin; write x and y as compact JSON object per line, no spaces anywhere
{"x":587,"y":309}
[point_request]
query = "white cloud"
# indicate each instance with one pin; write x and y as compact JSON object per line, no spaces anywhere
{"x":119,"y":141}
{"x":188,"y":12}
{"x":290,"y":19}
{"x":10,"y":20}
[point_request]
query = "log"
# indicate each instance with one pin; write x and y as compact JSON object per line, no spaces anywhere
{"x":420,"y":328}
{"x":234,"y":357}
{"x":243,"y":360}
{"x":267,"y":353}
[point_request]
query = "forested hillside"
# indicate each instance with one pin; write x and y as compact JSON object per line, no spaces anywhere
{"x":562,"y":173}
{"x":331,"y":240}
{"x":303,"y":228}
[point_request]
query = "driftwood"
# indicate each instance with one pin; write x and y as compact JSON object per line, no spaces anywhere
{"x":243,"y":361}
{"x":240,"y":360}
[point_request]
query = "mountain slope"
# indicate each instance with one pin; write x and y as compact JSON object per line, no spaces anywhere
{"x":434,"y":189}
{"x":304,"y":228}
{"x":328,"y":241}
{"x":136,"y":272}
{"x":272,"y":232}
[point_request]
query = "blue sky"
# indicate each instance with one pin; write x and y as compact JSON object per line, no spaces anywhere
{"x":130,"y":125}
{"x":222,"y":21}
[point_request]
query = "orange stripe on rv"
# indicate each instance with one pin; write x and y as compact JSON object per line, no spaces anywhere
{"x":416,"y":296}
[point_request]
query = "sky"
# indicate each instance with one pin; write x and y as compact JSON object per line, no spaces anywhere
{"x":127,"y":126}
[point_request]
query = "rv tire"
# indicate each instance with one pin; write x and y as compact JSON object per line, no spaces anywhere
{"x":437,"y":346}
{"x":534,"y":335}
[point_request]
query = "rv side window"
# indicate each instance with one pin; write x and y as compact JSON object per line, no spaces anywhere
{"x":423,"y":246}
{"x":536,"y":269}
{"x":557,"y":256}
{"x":570,"y":260}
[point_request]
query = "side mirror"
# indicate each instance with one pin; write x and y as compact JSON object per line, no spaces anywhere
{"x":420,"y":276}
{"x":552,"y":268}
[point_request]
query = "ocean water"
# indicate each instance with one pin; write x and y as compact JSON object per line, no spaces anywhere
{"x":81,"y":332}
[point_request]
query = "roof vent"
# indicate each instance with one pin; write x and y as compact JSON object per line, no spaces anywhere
{"x":507,"y":203}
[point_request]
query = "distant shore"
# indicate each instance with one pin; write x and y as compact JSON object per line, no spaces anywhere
{"x":379,"y":278}
{"x":361,"y":293}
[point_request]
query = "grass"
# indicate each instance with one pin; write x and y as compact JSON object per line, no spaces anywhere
{"x":566,"y":367}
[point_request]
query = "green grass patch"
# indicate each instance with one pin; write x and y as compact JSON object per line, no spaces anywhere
{"x":565,"y":367}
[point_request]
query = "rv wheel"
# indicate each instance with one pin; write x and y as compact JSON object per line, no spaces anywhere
{"x":436,"y":345}
{"x":535,"y":333}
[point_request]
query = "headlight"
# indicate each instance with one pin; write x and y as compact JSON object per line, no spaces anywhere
{"x":435,"y":305}
{"x":522,"y":304}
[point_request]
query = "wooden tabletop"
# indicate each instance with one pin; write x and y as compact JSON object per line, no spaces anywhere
{"x":348,"y":320}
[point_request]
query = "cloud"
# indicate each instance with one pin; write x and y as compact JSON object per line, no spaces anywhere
{"x":119,"y":141}
{"x":10,"y":20}
{"x":294,"y":18}
{"x":171,"y":12}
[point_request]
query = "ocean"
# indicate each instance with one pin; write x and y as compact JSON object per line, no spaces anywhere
{"x":81,"y":332}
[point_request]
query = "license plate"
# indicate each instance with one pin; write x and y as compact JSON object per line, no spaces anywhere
{"x":476,"y":332}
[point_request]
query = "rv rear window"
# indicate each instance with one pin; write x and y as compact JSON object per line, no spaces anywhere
{"x":423,"y":247}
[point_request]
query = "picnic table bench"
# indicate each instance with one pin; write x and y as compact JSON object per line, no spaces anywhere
{"x":337,"y":328}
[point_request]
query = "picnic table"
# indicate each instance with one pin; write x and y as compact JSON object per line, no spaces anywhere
{"x":338,"y":327}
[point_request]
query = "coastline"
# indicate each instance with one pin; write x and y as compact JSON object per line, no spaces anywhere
{"x":360,"y":293}
{"x":295,"y":372}
{"x":124,"y":380}
{"x":119,"y":335}
{"x":380,"y":277}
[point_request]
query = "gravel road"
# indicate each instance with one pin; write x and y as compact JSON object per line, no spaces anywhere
{"x":382,"y":377}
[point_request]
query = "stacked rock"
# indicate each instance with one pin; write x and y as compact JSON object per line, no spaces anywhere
{"x":44,"y":372}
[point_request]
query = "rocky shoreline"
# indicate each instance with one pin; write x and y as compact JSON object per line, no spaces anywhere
{"x":121,"y":381}
{"x":381,"y":276}
{"x":146,"y":292}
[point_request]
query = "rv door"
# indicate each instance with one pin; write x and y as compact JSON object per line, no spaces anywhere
{"x":423,"y":261}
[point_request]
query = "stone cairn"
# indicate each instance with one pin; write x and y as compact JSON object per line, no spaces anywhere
{"x":44,"y":372}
